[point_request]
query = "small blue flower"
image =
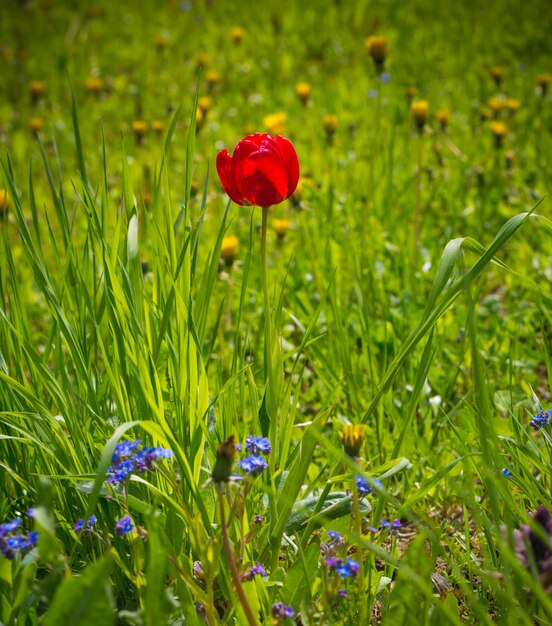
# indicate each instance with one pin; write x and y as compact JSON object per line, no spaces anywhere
{"x":79,"y":525}
{"x":124,"y":449}
{"x":364,"y":488}
{"x":258,"y":445}
{"x":253,"y":465}
{"x":333,"y":535}
{"x":385,"y":77}
{"x":91,"y":521}
{"x":33,"y":536}
{"x":9,"y":527}
{"x":348,"y":569}
{"x":541,"y":419}
{"x":256,"y":570}
{"x":396,"y":523}
{"x":507,"y":473}
{"x":124,"y":526}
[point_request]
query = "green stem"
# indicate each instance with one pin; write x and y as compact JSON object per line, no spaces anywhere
{"x":267,"y":310}
{"x":418,"y":216}
{"x":232,"y":564}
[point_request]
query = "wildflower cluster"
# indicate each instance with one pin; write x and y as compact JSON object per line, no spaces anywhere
{"x":281,"y":611}
{"x":12,"y":543}
{"x":124,"y":526}
{"x":255,"y":464}
{"x":385,"y":525}
{"x":256,"y":570}
{"x":541,"y":419}
{"x":130,"y":456}
{"x":80,"y":525}
{"x":346,"y":568}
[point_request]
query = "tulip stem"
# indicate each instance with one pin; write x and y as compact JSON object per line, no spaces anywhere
{"x":267,"y":312}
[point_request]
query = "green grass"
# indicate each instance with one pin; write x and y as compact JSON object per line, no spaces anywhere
{"x":118,"y":321}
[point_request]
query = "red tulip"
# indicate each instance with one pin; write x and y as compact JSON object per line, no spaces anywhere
{"x":263,"y":171}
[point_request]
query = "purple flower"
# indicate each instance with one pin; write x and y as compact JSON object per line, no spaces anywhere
{"x":124,"y":526}
{"x":282,"y":611}
{"x":258,"y":445}
{"x":333,"y":562}
{"x":342,"y":593}
{"x":348,"y":569}
{"x":9,"y":527}
{"x":256,"y":570}
{"x":79,"y":525}
{"x":396,"y":523}
{"x":254,"y":465}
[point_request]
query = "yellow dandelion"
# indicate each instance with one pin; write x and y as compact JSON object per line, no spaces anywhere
{"x":496,"y":105}
{"x":200,"y":118}
{"x":36,"y":124}
{"x":205,"y":103}
{"x":329,"y":122}
{"x":513,"y":105}
{"x":352,"y":438}
{"x":237,"y":34}
{"x":139,"y":128}
{"x":280,"y":226}
{"x":229,"y":249}
{"x":497,"y":74}
{"x":420,"y":112}
{"x":499,"y":130}
{"x":276,"y":123}
{"x":37,"y":89}
{"x":203,"y":59}
{"x":377,"y":49}
{"x":5,"y":201}
{"x":158,"y":126}
{"x":213,"y":77}
{"x":443,"y":117}
{"x":303,"y":92}
{"x":94,"y":84}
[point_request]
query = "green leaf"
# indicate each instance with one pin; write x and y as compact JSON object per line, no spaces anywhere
{"x":299,"y":581}
{"x":85,"y":599}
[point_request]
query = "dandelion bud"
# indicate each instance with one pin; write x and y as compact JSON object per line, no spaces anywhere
{"x":36,"y":124}
{"x":225,"y":458}
{"x":496,"y":105}
{"x":139,"y":128}
{"x":236,"y":35}
{"x":410,"y":94}
{"x":330,"y":125}
{"x":229,"y":250}
{"x":200,"y":118}
{"x":303,"y":92}
{"x":497,"y":74}
{"x":509,"y":157}
{"x":499,"y":130}
{"x":205,"y":103}
{"x":158,"y":126}
{"x":443,"y":117}
{"x":352,"y":438}
{"x":160,"y":42}
{"x":213,"y":78}
{"x":512,"y":105}
{"x":203,"y":59}
{"x":37,"y":89}
{"x":280,"y":227}
{"x":94,"y":85}
{"x":420,"y":111}
{"x":377,"y":49}
{"x":5,"y":202}
{"x":543,"y":80}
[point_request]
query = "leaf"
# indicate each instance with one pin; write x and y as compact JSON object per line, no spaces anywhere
{"x":300,"y":576}
{"x":85,"y":599}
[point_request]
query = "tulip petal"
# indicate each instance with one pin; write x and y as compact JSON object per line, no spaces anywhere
{"x":260,"y":175}
{"x":291,"y":162}
{"x":224,"y":170}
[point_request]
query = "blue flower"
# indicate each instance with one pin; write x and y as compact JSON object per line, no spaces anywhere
{"x":507,"y":473}
{"x":256,"y":570}
{"x":364,"y":488}
{"x":281,"y":611}
{"x":9,"y":527}
{"x":124,"y":449}
{"x":258,"y":445}
{"x":541,"y":419}
{"x":348,"y":569}
{"x":79,"y":525}
{"x":91,"y":521}
{"x":124,"y":526}
{"x":253,"y":465}
{"x":333,"y":535}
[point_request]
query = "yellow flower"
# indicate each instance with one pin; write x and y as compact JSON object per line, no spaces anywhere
{"x":160,"y":42}
{"x":496,"y":105}
{"x":280,"y":227}
{"x":203,"y":59}
{"x":213,"y":77}
{"x":498,"y":128}
{"x":543,"y":80}
{"x":158,"y":126}
{"x":276,"y":123}
{"x":377,"y":49}
{"x":512,"y":105}
{"x":205,"y":103}
{"x":352,"y":438}
{"x":94,"y":84}
{"x":443,"y":117}
{"x":229,"y":249}
{"x":420,"y":112}
{"x":303,"y":91}
{"x":5,"y":202}
{"x":37,"y":89}
{"x":36,"y":124}
{"x":330,"y":123}
{"x":139,"y":128}
{"x":497,"y":74}
{"x":200,"y":118}
{"x":236,"y":34}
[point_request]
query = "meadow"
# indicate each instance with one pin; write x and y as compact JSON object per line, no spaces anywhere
{"x":332,"y":408}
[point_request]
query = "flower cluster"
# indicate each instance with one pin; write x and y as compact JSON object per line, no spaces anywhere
{"x":331,"y":547}
{"x":130,"y":456}
{"x":541,"y":419}
{"x":281,"y":611}
{"x":255,"y":464}
{"x":385,"y":525}
{"x":90,"y":523}
{"x":364,"y":488}
{"x":124,"y":526}
{"x":256,"y":570}
{"x":346,"y":568}
{"x":12,"y":543}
